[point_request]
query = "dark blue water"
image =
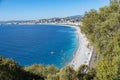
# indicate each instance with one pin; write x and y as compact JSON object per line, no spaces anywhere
{"x":38,"y":44}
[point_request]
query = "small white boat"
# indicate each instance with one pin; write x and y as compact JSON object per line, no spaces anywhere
{"x":52,"y":52}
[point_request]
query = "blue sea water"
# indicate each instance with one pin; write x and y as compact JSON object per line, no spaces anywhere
{"x":38,"y":44}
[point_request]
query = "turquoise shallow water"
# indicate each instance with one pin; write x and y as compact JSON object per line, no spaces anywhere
{"x":38,"y":44}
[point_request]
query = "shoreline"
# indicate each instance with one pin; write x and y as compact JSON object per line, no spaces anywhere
{"x":83,"y":54}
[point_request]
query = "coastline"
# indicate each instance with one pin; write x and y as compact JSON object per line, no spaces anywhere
{"x":83,"y":54}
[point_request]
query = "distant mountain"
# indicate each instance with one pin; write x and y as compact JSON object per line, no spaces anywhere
{"x":75,"y":16}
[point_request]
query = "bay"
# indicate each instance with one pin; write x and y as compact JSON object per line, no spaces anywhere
{"x":38,"y":44}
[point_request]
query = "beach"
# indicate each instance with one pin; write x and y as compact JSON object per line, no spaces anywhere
{"x":83,"y":53}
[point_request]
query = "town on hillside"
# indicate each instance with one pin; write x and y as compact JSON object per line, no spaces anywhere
{"x":72,"y":20}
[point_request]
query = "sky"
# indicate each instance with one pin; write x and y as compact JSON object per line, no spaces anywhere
{"x":39,"y":9}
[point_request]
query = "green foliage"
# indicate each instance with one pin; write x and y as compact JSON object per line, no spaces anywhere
{"x":10,"y":70}
{"x":107,"y":69}
{"x":85,"y":73}
{"x":67,"y":73}
{"x":102,"y":28}
{"x":41,"y":70}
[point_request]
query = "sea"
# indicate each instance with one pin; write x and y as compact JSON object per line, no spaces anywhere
{"x":38,"y":44}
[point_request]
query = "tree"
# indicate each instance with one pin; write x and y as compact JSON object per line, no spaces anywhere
{"x":67,"y":73}
{"x":10,"y":70}
{"x":103,"y":31}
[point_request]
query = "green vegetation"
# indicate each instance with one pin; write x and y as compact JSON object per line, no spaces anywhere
{"x":10,"y":70}
{"x":102,"y":28}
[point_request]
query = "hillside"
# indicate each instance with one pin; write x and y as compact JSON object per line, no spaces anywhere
{"x":102,"y":29}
